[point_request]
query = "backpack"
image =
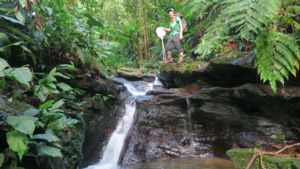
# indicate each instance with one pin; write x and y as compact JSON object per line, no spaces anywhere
{"x":183,"y":22}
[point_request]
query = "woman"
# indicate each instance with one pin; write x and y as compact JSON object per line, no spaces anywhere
{"x":176,"y":35}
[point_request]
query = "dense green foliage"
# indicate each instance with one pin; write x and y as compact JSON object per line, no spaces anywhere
{"x":43,"y":42}
{"x":101,"y":35}
{"x":270,"y":27}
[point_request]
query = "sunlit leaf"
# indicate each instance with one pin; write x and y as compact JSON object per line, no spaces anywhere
{"x":11,"y":19}
{"x":20,"y":16}
{"x":3,"y":65}
{"x":23,"y":75}
{"x":17,"y":142}
{"x":64,"y":87}
{"x":57,"y":104}
{"x":46,"y":105}
{"x":50,"y":137}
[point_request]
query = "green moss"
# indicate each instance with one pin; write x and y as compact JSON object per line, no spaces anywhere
{"x":241,"y":157}
{"x":188,"y":66}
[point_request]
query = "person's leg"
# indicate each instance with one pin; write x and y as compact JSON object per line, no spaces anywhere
{"x":179,"y":48}
{"x":169,"y":56}
{"x":170,"y":46}
{"x":180,"y":57}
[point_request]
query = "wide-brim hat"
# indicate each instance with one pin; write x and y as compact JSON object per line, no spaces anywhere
{"x":170,"y":9}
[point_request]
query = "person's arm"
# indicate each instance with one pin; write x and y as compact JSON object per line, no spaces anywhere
{"x":166,"y":29}
{"x":180,"y":30}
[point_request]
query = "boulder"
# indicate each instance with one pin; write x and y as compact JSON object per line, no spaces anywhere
{"x":209,"y":121}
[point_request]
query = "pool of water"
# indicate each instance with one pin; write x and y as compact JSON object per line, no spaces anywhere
{"x":186,"y":163}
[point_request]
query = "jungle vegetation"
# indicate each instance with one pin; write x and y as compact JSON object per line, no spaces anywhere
{"x":43,"y":41}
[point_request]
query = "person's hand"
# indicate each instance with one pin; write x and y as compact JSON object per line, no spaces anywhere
{"x":180,"y":37}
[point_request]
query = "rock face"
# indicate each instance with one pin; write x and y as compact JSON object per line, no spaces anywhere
{"x":100,"y":117}
{"x":210,"y":115}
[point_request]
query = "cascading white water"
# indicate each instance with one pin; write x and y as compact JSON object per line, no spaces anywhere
{"x":157,"y":82}
{"x":116,"y":142}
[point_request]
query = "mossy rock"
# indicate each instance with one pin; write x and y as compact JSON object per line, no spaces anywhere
{"x":188,"y":66}
{"x":241,"y":158}
{"x":129,"y":73}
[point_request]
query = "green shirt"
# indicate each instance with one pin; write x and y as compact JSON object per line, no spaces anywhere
{"x":175,"y":27}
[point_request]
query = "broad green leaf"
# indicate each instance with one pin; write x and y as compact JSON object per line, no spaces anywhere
{"x":2,"y":158}
{"x":49,"y":10}
{"x":57,"y":104}
{"x":20,"y":16}
{"x":17,"y":142}
{"x":41,"y":92}
{"x":31,"y":112}
{"x":64,"y":87}
{"x":49,"y":151}
{"x":71,"y":122}
{"x":47,"y":105}
{"x":61,"y":123}
{"x":3,"y":64}
{"x":11,"y":19}
{"x":18,"y":32}
{"x":7,"y":47}
{"x":58,"y":124}
{"x":23,"y":75}
{"x":52,"y":72}
{"x":61,"y":75}
{"x":47,"y":136}
{"x":24,"y":124}
{"x":92,"y":21}
{"x":4,"y":41}
{"x":22,"y":3}
{"x":70,"y":67}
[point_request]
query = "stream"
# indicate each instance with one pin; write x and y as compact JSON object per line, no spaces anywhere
{"x":115,"y":145}
{"x":116,"y":142}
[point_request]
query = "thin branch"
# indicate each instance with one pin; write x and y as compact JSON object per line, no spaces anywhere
{"x":276,"y":154}
{"x":287,"y":147}
{"x":251,"y":162}
{"x":261,"y":160}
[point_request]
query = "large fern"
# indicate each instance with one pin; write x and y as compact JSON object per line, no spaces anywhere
{"x":277,"y":55}
{"x":243,"y":17}
{"x":277,"y":49}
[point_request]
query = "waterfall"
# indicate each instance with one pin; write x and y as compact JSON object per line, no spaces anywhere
{"x":116,"y":142}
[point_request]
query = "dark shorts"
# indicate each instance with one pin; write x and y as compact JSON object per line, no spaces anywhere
{"x":174,"y":43}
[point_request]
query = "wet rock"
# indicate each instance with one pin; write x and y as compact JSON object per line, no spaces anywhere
{"x":130,"y":73}
{"x":210,"y":120}
{"x":162,"y":130}
{"x":149,"y":78}
{"x":99,"y":125}
{"x":221,"y":74}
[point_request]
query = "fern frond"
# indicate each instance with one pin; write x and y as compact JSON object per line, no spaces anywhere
{"x":277,"y":55}
{"x":246,"y":18}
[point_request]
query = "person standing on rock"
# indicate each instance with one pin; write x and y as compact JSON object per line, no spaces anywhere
{"x":176,"y":35}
